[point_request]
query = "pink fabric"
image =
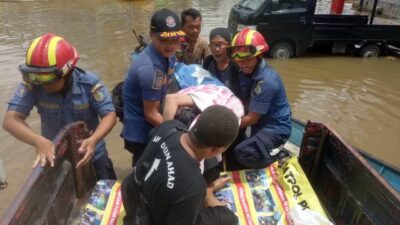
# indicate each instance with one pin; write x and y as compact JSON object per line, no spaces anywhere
{"x":209,"y":94}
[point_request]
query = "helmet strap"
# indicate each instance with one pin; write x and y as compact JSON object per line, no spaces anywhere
{"x":67,"y":85}
{"x":67,"y":68}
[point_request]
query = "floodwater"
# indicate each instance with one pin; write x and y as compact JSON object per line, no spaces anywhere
{"x":357,"y":97}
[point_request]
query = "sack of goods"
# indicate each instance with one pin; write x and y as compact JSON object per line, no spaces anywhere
{"x":278,"y":194}
{"x":104,"y":205}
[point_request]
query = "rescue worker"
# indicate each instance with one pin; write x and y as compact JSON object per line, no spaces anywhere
{"x":266,"y":104}
{"x":62,"y":93}
{"x":166,"y":186}
{"x":197,"y":48}
{"x":145,"y":84}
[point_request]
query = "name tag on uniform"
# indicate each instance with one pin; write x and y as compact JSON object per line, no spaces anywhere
{"x":81,"y":106}
{"x":49,"y":105}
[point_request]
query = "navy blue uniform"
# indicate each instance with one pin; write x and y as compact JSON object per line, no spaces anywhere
{"x":266,"y":95}
{"x":146,"y":80}
{"x":86,"y":100}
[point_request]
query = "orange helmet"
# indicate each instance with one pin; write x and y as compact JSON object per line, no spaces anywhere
{"x":248,"y":43}
{"x":47,"y":58}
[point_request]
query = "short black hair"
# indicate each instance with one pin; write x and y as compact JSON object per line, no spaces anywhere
{"x":217,"y":126}
{"x":194,"y":13}
{"x":187,"y":115}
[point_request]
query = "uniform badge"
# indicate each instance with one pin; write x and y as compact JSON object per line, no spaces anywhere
{"x":97,"y":92}
{"x":257,"y":89}
{"x":159,"y":80}
{"x":170,"y":21}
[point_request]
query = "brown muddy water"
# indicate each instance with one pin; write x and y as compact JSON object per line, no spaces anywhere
{"x":358,"y":97}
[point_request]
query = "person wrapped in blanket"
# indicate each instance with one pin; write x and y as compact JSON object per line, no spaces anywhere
{"x":186,"y":106}
{"x":166,"y":186}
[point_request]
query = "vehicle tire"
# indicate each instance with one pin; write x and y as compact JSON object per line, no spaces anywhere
{"x":370,"y":51}
{"x":282,"y":50}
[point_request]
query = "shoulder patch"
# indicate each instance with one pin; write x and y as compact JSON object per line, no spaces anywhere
{"x":22,"y":90}
{"x":98,"y":95}
{"x":95,"y":87}
{"x":258,"y":88}
{"x":159,"y":79}
{"x":97,"y":92}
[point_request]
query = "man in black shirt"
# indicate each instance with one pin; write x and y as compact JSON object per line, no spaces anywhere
{"x":167,"y":177}
{"x":219,"y":63}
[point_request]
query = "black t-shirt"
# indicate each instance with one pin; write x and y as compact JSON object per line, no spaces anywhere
{"x":229,"y":76}
{"x":174,"y":187}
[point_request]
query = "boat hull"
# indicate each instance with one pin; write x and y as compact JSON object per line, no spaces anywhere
{"x":351,"y":190}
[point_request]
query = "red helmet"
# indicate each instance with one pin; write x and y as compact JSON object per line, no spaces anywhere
{"x":48,"y":59}
{"x":50,"y":50}
{"x":248,"y":43}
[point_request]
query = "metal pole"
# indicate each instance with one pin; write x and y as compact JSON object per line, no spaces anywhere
{"x":373,"y":12}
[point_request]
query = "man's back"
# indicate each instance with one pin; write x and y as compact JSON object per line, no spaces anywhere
{"x":173,"y":188}
{"x":167,"y":179}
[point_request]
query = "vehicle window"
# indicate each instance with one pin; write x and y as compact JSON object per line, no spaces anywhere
{"x":251,"y":4}
{"x":278,"y":5}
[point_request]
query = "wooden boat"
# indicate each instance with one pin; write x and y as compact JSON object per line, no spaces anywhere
{"x":349,"y":187}
{"x":347,"y":183}
{"x":390,"y":173}
{"x":49,"y":195}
